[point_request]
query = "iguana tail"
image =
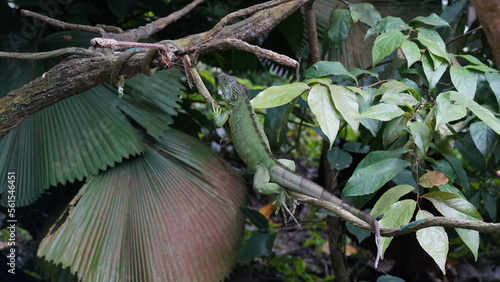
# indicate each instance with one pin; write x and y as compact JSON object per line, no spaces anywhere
{"x":295,"y":182}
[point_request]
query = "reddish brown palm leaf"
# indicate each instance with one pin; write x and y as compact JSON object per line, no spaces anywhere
{"x":170,"y":215}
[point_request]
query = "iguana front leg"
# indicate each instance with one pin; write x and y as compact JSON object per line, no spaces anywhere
{"x":219,"y":116}
{"x":262,"y":184}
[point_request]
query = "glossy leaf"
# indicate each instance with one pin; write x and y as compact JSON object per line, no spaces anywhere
{"x":433,"y":240}
{"x":433,"y":74}
{"x":432,"y":19}
{"x":366,"y":13}
{"x":327,"y":68}
{"x":411,"y":52}
{"x":484,"y":137}
{"x":321,"y":105}
{"x":398,"y":214}
{"x":481,"y":112}
{"x":346,"y":103}
{"x":390,"y":197}
{"x":453,"y":206}
{"x":378,"y":156}
{"x":338,"y":158}
{"x":340,"y":26}
{"x":432,"y":178}
{"x":278,"y":95}
{"x":383,"y":112}
{"x":421,"y":135}
{"x":256,"y":218}
{"x":385,"y":44}
{"x":260,"y":243}
{"x":370,"y":178}
{"x":387,"y":24}
{"x":131,"y":221}
{"x":463,"y":80}
{"x":448,"y":110}
{"x":493,"y":79}
{"x":433,"y":43}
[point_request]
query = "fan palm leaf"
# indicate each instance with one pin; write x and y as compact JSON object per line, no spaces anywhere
{"x":169,"y":215}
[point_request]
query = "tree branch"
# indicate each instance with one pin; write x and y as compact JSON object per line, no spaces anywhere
{"x":76,"y":75}
{"x":485,"y":227}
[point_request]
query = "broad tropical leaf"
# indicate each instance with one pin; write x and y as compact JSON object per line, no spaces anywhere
{"x":65,"y":142}
{"x":169,"y":215}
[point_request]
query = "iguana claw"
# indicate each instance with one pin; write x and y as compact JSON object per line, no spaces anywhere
{"x":282,"y":202}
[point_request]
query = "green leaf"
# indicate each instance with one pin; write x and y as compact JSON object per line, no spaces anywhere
{"x":392,"y":86}
{"x":401,"y":99}
{"x":447,"y":187}
{"x":390,"y":197}
{"x":432,"y":178}
{"x":322,"y":107}
{"x":433,"y":42}
{"x":459,"y":170}
{"x":387,"y":24}
{"x":421,"y":134}
{"x":484,"y":138}
{"x":490,"y":204}
{"x":471,"y":59}
{"x":366,"y":13}
{"x":398,"y":214}
{"x":394,"y":129}
{"x":389,"y":278}
{"x":433,"y":75}
{"x":382,"y":111}
{"x":453,"y":206}
{"x":256,"y":218}
{"x":346,"y":103}
{"x":447,"y":110}
{"x":411,"y":52}
{"x":378,"y":156}
{"x":464,"y":81}
{"x":327,"y":68}
{"x":433,"y":240}
{"x":130,"y":218}
{"x":260,"y":243}
{"x":341,"y":24}
{"x":338,"y":158}
{"x":493,"y":79}
{"x":278,"y":95}
{"x":370,"y":178}
{"x":432,"y":19}
{"x":385,"y":44}
{"x":481,"y":112}
{"x":481,"y":68}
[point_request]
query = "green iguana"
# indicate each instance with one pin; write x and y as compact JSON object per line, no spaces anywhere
{"x":271,"y":174}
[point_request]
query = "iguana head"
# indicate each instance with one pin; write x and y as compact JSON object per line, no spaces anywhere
{"x":230,"y":87}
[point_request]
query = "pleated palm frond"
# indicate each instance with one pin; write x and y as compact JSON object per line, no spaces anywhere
{"x":169,"y":215}
{"x":83,"y":134}
{"x":151,"y":101}
{"x":65,"y":142}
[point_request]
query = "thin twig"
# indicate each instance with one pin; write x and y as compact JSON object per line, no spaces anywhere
{"x":243,"y":12}
{"x":61,"y":24}
{"x":157,"y":25}
{"x":261,"y":52}
{"x":463,"y":35}
{"x":50,"y":54}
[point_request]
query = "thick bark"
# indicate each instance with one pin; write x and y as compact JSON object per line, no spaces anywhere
{"x":488,"y":12}
{"x":76,"y":75}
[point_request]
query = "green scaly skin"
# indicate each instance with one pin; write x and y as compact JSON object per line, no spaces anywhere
{"x":271,"y":175}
